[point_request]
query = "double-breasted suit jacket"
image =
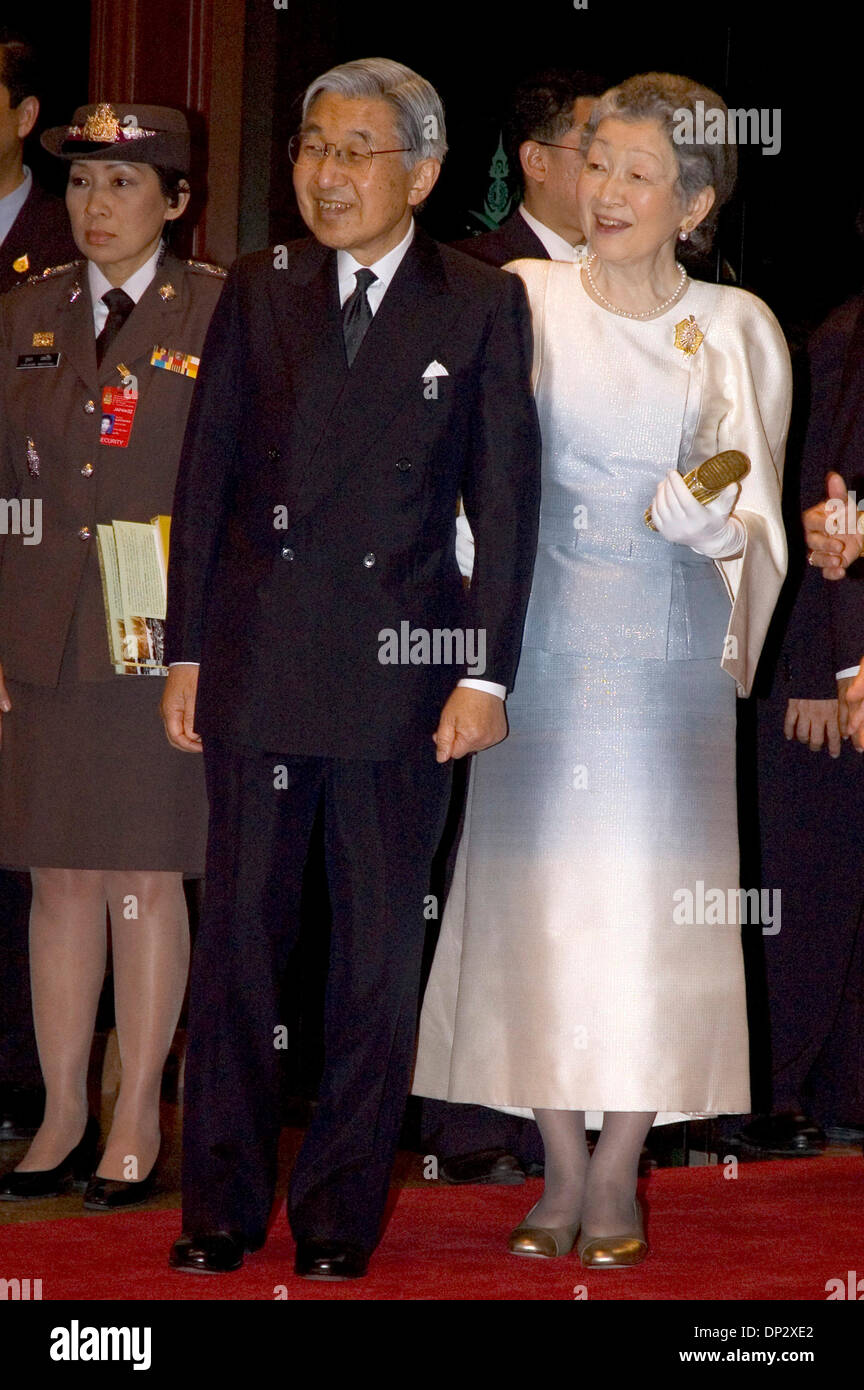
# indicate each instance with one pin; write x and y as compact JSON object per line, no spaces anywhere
{"x":39,"y":237}
{"x":80,"y":738}
{"x":80,"y":481}
{"x":316,"y":505}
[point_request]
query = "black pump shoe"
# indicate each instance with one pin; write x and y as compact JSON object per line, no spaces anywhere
{"x":73,"y":1171}
{"x":109,"y":1194}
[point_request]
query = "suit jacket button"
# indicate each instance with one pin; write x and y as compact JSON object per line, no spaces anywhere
{"x":273,"y":454}
{"x":404,"y":465}
{"x":286,"y":552}
{"x":89,"y":407}
{"x":369,"y":560}
{"x":87,"y":470}
{"x":84,"y":533}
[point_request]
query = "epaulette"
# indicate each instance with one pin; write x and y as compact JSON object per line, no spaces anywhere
{"x":207,"y":269}
{"x":51,"y":271}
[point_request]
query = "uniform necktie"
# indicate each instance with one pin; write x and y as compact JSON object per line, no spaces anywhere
{"x":120,"y":306}
{"x":356,"y":314}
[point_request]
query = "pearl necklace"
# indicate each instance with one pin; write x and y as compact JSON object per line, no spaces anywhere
{"x":625,"y":313}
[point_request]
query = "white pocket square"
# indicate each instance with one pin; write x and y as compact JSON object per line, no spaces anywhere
{"x":435,"y":369}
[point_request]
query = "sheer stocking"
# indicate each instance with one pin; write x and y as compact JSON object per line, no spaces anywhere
{"x":67,"y":966}
{"x":607,"y":1209}
{"x":566,"y":1167}
{"x":150,"y":945}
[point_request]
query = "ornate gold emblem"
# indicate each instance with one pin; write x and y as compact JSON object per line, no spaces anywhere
{"x":688,"y":336}
{"x":43,"y":339}
{"x":101,"y":124}
{"x":103,"y":128}
{"x":167,"y":291}
{"x":22,"y":264}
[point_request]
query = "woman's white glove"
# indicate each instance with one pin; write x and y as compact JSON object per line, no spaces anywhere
{"x":710,"y":530}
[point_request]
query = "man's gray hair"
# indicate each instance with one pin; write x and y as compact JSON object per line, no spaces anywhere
{"x":416,"y":105}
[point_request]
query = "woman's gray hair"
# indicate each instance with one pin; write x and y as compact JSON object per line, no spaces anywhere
{"x":665,"y":98}
{"x":416,"y":105}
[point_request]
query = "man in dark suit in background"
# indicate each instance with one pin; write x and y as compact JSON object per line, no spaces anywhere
{"x":352,"y":385}
{"x":34,"y":233}
{"x":34,"y":226}
{"x":810,"y":808}
{"x":541,"y":136}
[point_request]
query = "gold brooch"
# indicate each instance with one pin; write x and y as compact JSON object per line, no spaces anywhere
{"x":167,"y":291}
{"x":21,"y":265}
{"x":688,"y":336}
{"x":43,"y":339}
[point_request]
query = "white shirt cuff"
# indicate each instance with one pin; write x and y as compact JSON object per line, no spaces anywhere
{"x":172,"y":664}
{"x":850,"y":671}
{"x":490,"y":687}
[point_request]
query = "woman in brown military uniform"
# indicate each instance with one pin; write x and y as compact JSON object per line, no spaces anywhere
{"x":93,"y":800}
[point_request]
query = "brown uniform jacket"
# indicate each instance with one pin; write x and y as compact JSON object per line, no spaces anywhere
{"x":51,"y":592}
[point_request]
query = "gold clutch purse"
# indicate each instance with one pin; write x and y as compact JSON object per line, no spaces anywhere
{"x":710,"y":478}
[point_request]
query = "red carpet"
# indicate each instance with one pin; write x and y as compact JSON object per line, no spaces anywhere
{"x":779,"y":1230}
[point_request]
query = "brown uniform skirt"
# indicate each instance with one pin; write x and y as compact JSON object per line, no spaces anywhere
{"x":88,"y":780}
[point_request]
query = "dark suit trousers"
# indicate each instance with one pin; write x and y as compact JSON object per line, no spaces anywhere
{"x":19,"y":1060}
{"x":382,"y":823}
{"x":813,"y":851}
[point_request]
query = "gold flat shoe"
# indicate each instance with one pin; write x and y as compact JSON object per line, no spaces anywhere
{"x":615,"y":1252}
{"x":545,"y":1242}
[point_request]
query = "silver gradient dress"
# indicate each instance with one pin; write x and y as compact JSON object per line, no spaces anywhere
{"x":563,"y":978}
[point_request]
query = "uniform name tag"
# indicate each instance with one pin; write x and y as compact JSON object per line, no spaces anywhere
{"x":29,"y":360}
{"x":118,"y":414}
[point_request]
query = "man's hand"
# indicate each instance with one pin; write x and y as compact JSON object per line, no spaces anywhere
{"x":852,"y":696}
{"x":832,"y":548}
{"x":814,"y":722}
{"x":178,"y":708}
{"x":5,"y":703}
{"x":470,"y":720}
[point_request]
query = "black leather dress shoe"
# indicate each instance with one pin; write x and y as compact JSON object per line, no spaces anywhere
{"x":110,"y":1194}
{"x":72,"y":1171}
{"x":488,"y":1165}
{"x":330,"y":1259}
{"x":209,"y":1252}
{"x":783,"y":1136}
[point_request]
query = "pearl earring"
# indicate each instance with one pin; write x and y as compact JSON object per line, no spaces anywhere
{"x":683,"y":234}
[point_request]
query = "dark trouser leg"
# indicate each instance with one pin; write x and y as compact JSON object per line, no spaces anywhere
{"x":813,"y":852}
{"x":19,"y":1060}
{"x":260,"y":824}
{"x":382,"y":823}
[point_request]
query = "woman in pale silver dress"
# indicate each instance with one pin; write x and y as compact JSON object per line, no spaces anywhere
{"x":578,"y":972}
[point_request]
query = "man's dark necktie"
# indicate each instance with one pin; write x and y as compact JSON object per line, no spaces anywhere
{"x":356,"y":314}
{"x":120,"y":306}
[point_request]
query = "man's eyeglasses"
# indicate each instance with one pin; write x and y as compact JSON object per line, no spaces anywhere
{"x":552,"y":146}
{"x":357,"y":155}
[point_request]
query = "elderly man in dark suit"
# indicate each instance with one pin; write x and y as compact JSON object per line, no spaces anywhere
{"x":542,"y":134}
{"x":34,"y":233}
{"x":353,"y":385}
